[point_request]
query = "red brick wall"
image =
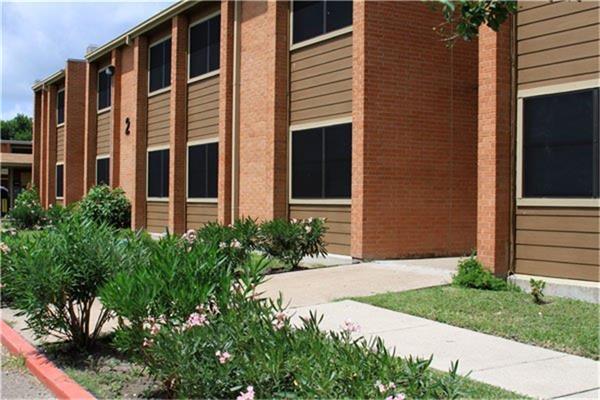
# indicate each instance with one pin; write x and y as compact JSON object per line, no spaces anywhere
{"x":74,"y":130}
{"x":263,"y":109}
{"x":50,"y":181}
{"x":37,"y":131}
{"x":43,"y":146}
{"x":178,"y":125}
{"x":414,"y":135}
{"x":115,"y":147}
{"x":91,"y":115}
{"x":494,"y":154}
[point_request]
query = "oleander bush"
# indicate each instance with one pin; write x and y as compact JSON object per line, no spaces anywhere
{"x":57,"y":213}
{"x":27,"y":212}
{"x":290,"y":241}
{"x":472,"y":274}
{"x":54,"y":277}
{"x":105,"y":205}
{"x":237,"y":240}
{"x":191,"y":315}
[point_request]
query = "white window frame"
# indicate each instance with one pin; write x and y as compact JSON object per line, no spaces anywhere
{"x":105,"y":109}
{"x":148,"y":151}
{"x":102,"y":157}
{"x":209,"y":200}
{"x":546,"y":202}
{"x":166,"y":88}
{"x":189,"y":43}
{"x":321,"y":38}
{"x":56,"y":181}
{"x":58,"y":125}
{"x":311,"y":125}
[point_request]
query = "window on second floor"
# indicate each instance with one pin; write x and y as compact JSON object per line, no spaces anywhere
{"x":314,"y":18}
{"x":103,"y":171}
{"x":561,"y":145}
{"x":160,"y":65}
{"x":60,"y":107}
{"x":203,"y":170}
{"x":104,"y":83}
{"x":158,"y":173}
{"x":205,"y":46}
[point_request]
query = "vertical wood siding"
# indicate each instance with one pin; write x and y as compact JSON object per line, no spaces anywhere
{"x":103,"y":134}
{"x":338,"y":224}
{"x":321,"y":81}
{"x":198,"y":214}
{"x":157,"y":216}
{"x":158,"y":119}
{"x":60,"y":144}
{"x":557,"y":42}
{"x":203,"y":109}
{"x":558,"y":242}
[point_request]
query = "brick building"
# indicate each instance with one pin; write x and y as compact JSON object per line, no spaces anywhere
{"x":214,"y":110}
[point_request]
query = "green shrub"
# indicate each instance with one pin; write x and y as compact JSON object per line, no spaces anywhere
{"x":57,"y":213}
{"x":472,"y":274}
{"x":27,"y":212}
{"x":191,"y":316}
{"x":290,"y":241}
{"x":537,"y":290}
{"x":103,"y":204}
{"x":237,"y":240}
{"x":56,"y":276}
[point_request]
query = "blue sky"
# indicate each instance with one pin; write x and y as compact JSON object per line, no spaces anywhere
{"x":37,"y":38}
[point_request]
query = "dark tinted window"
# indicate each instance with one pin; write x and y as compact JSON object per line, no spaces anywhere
{"x":103,"y":171}
{"x":560,"y":145}
{"x":203,"y":170}
{"x":59,"y":180}
{"x":314,"y":18}
{"x":205,"y":46}
{"x":158,"y":173}
{"x":60,"y":107}
{"x":104,"y":81}
{"x":160,"y":65}
{"x":321,"y":162}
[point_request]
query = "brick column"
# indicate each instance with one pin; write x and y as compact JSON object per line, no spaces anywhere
{"x":74,"y":130}
{"x":50,"y":184}
{"x":494,"y":155}
{"x":115,"y":122}
{"x":138,"y":128}
{"x":37,"y":130}
{"x":177,"y":125}
{"x":263,"y":110}
{"x":91,"y":116}
{"x":225,"y":111}
{"x":43,"y":145}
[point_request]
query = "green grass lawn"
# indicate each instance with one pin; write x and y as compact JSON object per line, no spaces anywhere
{"x":565,"y":325}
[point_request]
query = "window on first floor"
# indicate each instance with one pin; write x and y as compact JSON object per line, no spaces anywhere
{"x":203,"y":170}
{"x":103,"y":171}
{"x":158,"y":173}
{"x":60,"y":182}
{"x":322,"y":162}
{"x":561,"y":145}
{"x":60,"y":107}
{"x":104,"y":85}
{"x":314,"y":18}
{"x":205,"y":46}
{"x":160,"y":65}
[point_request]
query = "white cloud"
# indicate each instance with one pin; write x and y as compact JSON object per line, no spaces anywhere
{"x":37,"y":39}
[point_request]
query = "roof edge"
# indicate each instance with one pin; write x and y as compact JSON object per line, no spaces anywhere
{"x":48,"y":80}
{"x":141,"y":28}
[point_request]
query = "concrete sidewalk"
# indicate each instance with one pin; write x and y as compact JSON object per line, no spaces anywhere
{"x":323,"y":285}
{"x":514,"y":366}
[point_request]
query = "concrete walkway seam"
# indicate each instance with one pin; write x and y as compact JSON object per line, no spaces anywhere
{"x":59,"y":383}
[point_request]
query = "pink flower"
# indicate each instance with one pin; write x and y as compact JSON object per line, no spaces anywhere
{"x":223,"y":356}
{"x":196,"y":319}
{"x":350,"y":327}
{"x":148,"y":342}
{"x":248,"y":395}
{"x":4,"y":248}
{"x":154,"y":329}
{"x":398,"y":396}
{"x":190,"y":236}
{"x":279,"y":319}
{"x":381,"y":387}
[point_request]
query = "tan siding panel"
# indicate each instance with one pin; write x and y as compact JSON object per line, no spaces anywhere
{"x":569,"y":79}
{"x":199,"y":214}
{"x":203,"y":108}
{"x":60,"y":144}
{"x":158,"y":119}
{"x":562,"y":23}
{"x":559,"y":40}
{"x":564,"y":69}
{"x":553,"y":11}
{"x":103,"y":133}
{"x":321,"y":81}
{"x":338,"y":224}
{"x":157,"y":216}
{"x":558,"y":241}
{"x":553,"y":56}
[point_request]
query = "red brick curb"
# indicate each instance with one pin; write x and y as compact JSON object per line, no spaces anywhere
{"x":53,"y":378}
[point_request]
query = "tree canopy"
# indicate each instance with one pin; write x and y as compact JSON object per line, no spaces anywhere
{"x":18,"y":128}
